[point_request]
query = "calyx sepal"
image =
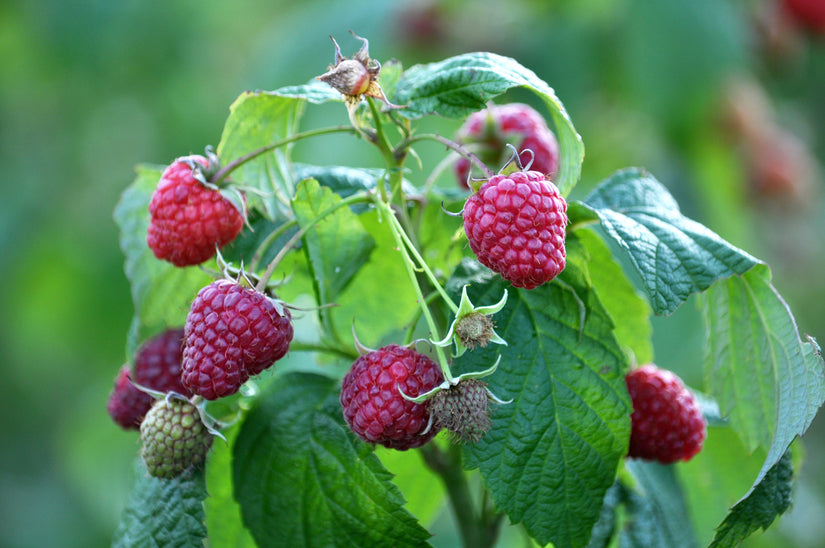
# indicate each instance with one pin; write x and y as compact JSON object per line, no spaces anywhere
{"x":472,"y":325}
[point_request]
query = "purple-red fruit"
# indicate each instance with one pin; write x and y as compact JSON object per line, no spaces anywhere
{"x":232,"y":333}
{"x":375,"y":409}
{"x":157,"y":366}
{"x":189,"y":220}
{"x":667,"y":423}
{"x":807,"y":13}
{"x":491,"y":129}
{"x":515,"y":225}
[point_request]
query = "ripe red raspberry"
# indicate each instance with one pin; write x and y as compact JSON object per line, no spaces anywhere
{"x":188,"y":219}
{"x":373,"y":406}
{"x":807,"y":13}
{"x":493,"y":128}
{"x":127,"y":405}
{"x":157,"y":366}
{"x":232,"y":333}
{"x":515,"y":225}
{"x":667,"y":424}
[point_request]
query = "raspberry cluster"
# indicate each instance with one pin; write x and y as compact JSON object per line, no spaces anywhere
{"x":373,"y":405}
{"x":667,"y":424}
{"x":515,"y":225}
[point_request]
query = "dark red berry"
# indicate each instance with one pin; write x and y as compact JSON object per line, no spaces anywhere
{"x":158,"y":363}
{"x":375,"y":409}
{"x":127,"y":405}
{"x":516,"y":227}
{"x":232,"y":333}
{"x":188,"y":220}
{"x":667,"y":424}
{"x":157,"y":366}
{"x":807,"y":13}
{"x":492,"y":129}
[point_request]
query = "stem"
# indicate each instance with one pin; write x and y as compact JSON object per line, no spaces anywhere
{"x":424,"y":267}
{"x":411,"y":329}
{"x":449,"y":144}
{"x":256,"y":258}
{"x":354,"y":199}
{"x":408,"y":264}
{"x":474,"y":532}
{"x":437,"y":170}
{"x":263,"y":280}
{"x":394,"y":158}
{"x":383,"y":145}
{"x":224,"y":171}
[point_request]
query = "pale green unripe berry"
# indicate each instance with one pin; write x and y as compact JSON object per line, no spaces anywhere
{"x":173,"y":437}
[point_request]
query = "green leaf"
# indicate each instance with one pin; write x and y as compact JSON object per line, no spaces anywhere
{"x":675,"y":256}
{"x":255,"y":247}
{"x":629,"y":310}
{"x":769,"y":499}
{"x":163,"y":512}
{"x":605,"y":528}
{"x":161,"y":292}
{"x":345,"y":181}
{"x":337,"y":245}
{"x":658,"y":513}
{"x":315,"y":92}
{"x":257,"y":119}
{"x":423,"y":489}
{"x":457,"y":86}
{"x":380,"y":297}
{"x":766,"y":379}
{"x":223,"y":514}
{"x":552,"y":453}
{"x":302,"y":479}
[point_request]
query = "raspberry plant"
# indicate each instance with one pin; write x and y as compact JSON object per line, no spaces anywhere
{"x":364,"y":256}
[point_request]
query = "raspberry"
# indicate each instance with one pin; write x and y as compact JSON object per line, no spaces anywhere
{"x":157,"y":366}
{"x":807,"y":13}
{"x":667,"y":424}
{"x":127,"y":405}
{"x":462,"y":409}
{"x":515,"y":225}
{"x":232,"y":333}
{"x":491,"y":129}
{"x":375,"y":409}
{"x":173,"y":438}
{"x":188,"y":220}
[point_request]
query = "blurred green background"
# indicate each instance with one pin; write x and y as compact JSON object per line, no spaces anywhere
{"x":724,"y":101}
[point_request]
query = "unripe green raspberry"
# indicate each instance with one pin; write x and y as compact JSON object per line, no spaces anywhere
{"x":462,"y":409}
{"x":174,"y":438}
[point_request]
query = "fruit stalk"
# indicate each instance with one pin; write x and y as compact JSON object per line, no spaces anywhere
{"x":462,"y":150}
{"x":408,"y":264}
{"x":478,"y":530}
{"x":224,"y":171}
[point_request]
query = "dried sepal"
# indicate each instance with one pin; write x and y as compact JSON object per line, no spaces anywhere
{"x":355,"y":77}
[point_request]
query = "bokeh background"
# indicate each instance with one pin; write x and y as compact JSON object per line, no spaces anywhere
{"x":723,"y":100}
